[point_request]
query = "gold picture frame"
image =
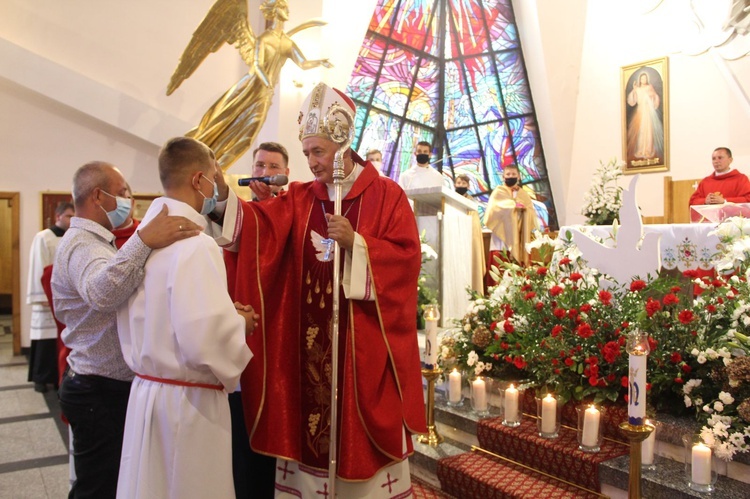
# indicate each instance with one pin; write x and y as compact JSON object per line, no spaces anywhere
{"x":645,"y":116}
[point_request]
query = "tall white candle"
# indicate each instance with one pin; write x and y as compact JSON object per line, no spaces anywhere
{"x":430,"y":345}
{"x":479,"y":394}
{"x":701,"y":461}
{"x":647,"y":448}
{"x":637,"y":387}
{"x":454,"y":387}
{"x":590,"y":436}
{"x":511,"y":404}
{"x":549,"y":414}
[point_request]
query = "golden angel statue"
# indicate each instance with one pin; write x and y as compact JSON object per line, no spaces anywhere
{"x":230,"y":126}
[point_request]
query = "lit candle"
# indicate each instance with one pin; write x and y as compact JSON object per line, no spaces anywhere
{"x":549,"y":414}
{"x":701,"y":461}
{"x":511,"y":404}
{"x":454,"y":387}
{"x":590,"y":436}
{"x":479,"y":394}
{"x":637,"y":347}
{"x":647,"y":448}
{"x":430,"y":345}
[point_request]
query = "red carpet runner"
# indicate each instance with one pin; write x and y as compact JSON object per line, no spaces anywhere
{"x":477,"y":475}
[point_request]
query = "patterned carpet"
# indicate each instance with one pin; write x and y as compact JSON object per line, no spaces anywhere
{"x":478,"y":476}
{"x":423,"y":490}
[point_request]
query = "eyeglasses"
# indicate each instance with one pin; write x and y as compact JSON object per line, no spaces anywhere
{"x":273,"y":166}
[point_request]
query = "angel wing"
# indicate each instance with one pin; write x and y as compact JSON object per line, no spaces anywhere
{"x":226,"y":22}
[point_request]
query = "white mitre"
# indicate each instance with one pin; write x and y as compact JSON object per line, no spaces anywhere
{"x":312,"y":115}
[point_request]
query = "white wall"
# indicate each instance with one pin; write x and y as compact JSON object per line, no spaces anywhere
{"x":704,"y":110}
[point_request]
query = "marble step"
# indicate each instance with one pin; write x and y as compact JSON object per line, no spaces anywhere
{"x":459,"y":426}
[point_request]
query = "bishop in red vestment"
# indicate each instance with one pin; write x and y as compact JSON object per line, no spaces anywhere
{"x":281,"y":262}
{"x":724,"y":184}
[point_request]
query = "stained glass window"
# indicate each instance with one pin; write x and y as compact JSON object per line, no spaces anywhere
{"x":450,"y":72}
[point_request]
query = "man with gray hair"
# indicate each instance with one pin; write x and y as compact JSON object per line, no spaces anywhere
{"x":90,"y":279}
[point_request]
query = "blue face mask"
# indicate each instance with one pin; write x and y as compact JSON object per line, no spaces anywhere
{"x":209,"y":203}
{"x":118,"y":216}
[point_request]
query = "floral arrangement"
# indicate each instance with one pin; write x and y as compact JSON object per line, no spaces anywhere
{"x":603,"y":200}
{"x":554,"y":327}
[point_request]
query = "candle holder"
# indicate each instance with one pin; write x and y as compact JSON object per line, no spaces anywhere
{"x":430,"y":355}
{"x":432,"y":438}
{"x":636,"y":435}
{"x":453,"y":383}
{"x":548,"y":415}
{"x":700,"y":464}
{"x":589,"y":428}
{"x":511,"y":404}
{"x":481,"y":388}
{"x":647,"y":446}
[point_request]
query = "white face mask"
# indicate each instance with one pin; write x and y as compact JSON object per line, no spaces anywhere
{"x":117,"y":216}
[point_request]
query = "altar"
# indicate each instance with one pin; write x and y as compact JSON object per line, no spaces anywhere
{"x":681,"y":246}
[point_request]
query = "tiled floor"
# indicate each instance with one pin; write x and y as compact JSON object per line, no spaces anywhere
{"x":33,"y":440}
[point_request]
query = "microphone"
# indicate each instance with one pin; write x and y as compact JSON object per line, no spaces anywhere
{"x":273,"y":180}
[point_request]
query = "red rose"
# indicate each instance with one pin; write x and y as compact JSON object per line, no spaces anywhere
{"x":569,"y":362}
{"x":686,"y":316}
{"x":675,"y":358}
{"x":690,"y":273}
{"x":556,"y":330}
{"x":508,"y":313}
{"x":652,"y":306}
{"x":717,"y":283}
{"x":652,"y":343}
{"x":572,"y":313}
{"x":575,"y":276}
{"x":539,"y":306}
{"x":565,"y":261}
{"x":526,"y":287}
{"x":557,"y":371}
{"x":508,"y":327}
{"x":556,"y":290}
{"x":584,"y":330}
{"x":625,"y":325}
{"x":504,"y":345}
{"x":493,"y":326}
{"x":675,"y":289}
{"x":678,"y":381}
{"x":686,"y":368}
{"x":593,"y":381}
{"x":648,"y":387}
{"x":611,"y":377}
{"x":710,"y":309}
{"x":559,"y":313}
{"x":671,"y":299}
{"x":720,"y":300}
{"x":562,"y":353}
{"x":637,"y":285}
{"x":541,"y":271}
{"x":594,"y":370}
{"x":625,"y":397}
{"x":586,"y":308}
{"x":519,"y":362}
{"x":605,"y":297}
{"x":621,"y":340}
{"x":529,"y":295}
{"x":508,"y":359}
{"x":555,"y":362}
{"x":624,"y":381}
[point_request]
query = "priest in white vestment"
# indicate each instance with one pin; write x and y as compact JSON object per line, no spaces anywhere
{"x":421,"y":175}
{"x":185,"y":340}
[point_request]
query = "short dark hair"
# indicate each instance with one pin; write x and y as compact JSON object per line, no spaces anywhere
{"x":729,"y":153}
{"x":179,"y":157}
{"x":463,"y":177}
{"x":273,"y":147}
{"x":62,"y":207}
{"x":424,"y":143}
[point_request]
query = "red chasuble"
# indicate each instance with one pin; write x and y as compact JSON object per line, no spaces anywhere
{"x":282,"y":270}
{"x":122,"y":235}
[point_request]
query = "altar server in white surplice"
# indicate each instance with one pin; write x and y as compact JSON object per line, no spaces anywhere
{"x":185,"y":340}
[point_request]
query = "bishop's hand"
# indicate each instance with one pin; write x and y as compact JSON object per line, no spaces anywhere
{"x":340,"y":230}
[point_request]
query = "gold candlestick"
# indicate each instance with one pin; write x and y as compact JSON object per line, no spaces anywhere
{"x":432,"y":438}
{"x":636,"y":434}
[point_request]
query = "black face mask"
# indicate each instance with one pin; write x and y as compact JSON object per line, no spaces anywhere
{"x":511,"y":181}
{"x":462,"y":190}
{"x":423,"y":158}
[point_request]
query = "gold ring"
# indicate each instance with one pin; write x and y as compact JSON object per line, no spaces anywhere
{"x":180,"y":227}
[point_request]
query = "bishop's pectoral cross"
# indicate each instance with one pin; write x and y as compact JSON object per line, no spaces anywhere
{"x":328,"y":243}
